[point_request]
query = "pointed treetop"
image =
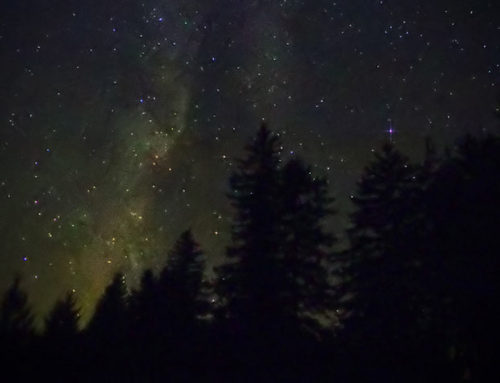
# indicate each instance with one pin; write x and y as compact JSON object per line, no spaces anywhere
{"x":264,"y":132}
{"x":264,"y":142}
{"x":15,"y":313}
{"x":63,"y":319}
{"x":185,"y":251}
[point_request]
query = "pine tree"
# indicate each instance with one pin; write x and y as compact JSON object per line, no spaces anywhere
{"x":278,"y":276}
{"x":181,"y":303}
{"x":276,"y":282}
{"x":16,"y":319}
{"x":181,"y":282}
{"x":248,"y":283}
{"x":464,"y":207}
{"x":107,"y":334}
{"x":148,"y":333}
{"x":383,"y":266}
{"x":144,"y":307}
{"x":62,"y":346}
{"x":62,"y":322}
{"x":16,"y":332}
{"x":307,"y":246}
{"x":109,"y":322}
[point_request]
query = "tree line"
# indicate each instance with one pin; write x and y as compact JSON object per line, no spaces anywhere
{"x":413,"y":298}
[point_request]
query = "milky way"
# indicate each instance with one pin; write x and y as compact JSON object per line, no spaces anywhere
{"x":120,"y":121}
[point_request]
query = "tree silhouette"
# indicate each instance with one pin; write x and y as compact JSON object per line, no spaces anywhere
{"x":147,"y":334}
{"x":182,"y":300}
{"x":62,"y":322}
{"x":165,"y":312}
{"x":16,"y":331}
{"x":247,"y":284}
{"x":181,"y":282}
{"x":107,"y":332}
{"x":418,"y":292}
{"x":307,"y":255}
{"x":464,"y":208}
{"x":16,"y":319}
{"x":144,"y":307}
{"x":383,"y":266}
{"x":276,"y":280}
{"x":62,"y":341}
{"x":110,"y":316}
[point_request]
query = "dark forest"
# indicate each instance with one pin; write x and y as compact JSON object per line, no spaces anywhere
{"x":412,"y":298}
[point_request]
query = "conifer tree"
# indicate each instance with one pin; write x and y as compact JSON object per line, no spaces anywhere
{"x":181,"y":303}
{"x":16,"y":319}
{"x":382,"y":269}
{"x":62,"y":322}
{"x":16,"y":331}
{"x":181,"y":282}
{"x":144,"y":306}
{"x":148,"y":331}
{"x":464,"y":209}
{"x":248,"y":283}
{"x":62,"y":346}
{"x":307,"y":254}
{"x":278,"y":270}
{"x":109,"y":322}
{"x":107,"y":334}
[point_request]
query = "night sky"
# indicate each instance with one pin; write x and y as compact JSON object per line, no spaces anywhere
{"x":120,"y":120}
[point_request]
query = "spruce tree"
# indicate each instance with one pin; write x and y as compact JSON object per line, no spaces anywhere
{"x":182,"y":302}
{"x":276,"y":282}
{"x":144,"y":307}
{"x":62,"y":322}
{"x":107,"y":334}
{"x":181,"y":282}
{"x":62,"y":347}
{"x":148,"y":332}
{"x":382,"y":268}
{"x":307,"y":254}
{"x":16,"y":319}
{"x":248,"y":283}
{"x":464,"y":208}
{"x":16,"y":332}
{"x":278,"y":272}
{"x":110,"y":319}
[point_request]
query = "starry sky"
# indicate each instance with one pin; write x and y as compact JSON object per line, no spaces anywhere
{"x":120,"y":120}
